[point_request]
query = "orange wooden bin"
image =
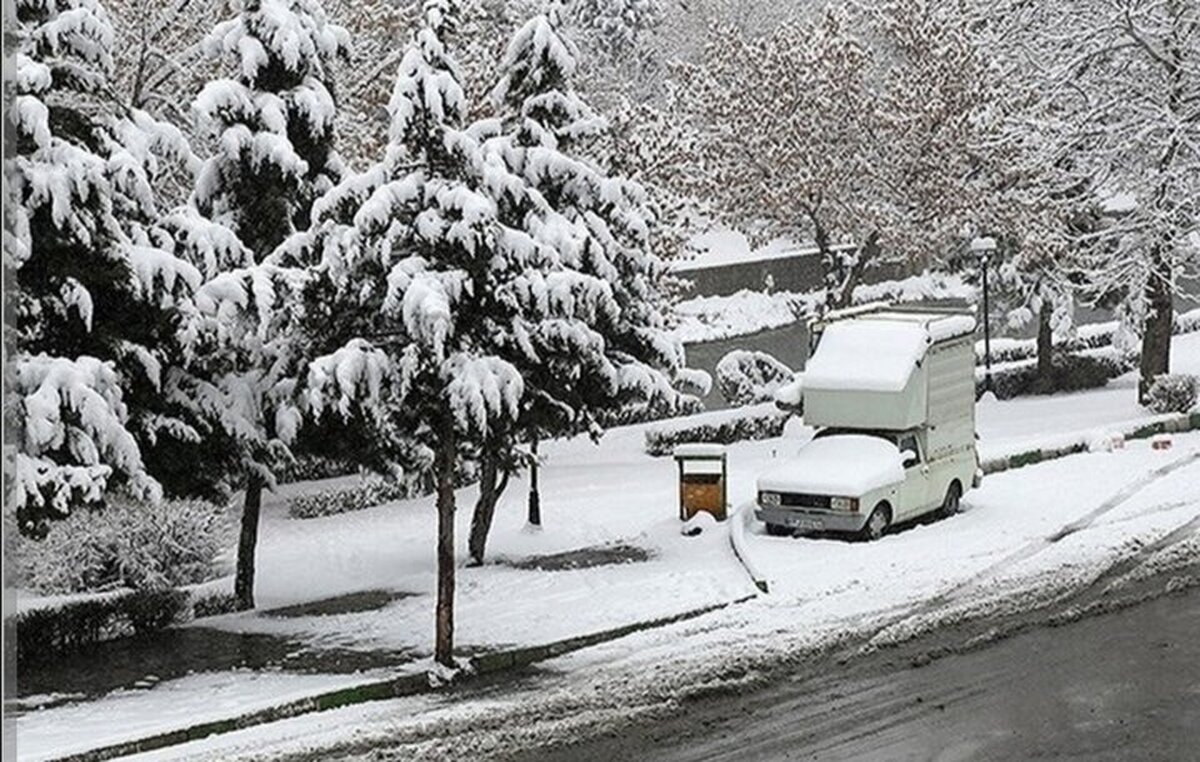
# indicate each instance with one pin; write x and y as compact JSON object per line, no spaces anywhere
{"x":702,"y":480}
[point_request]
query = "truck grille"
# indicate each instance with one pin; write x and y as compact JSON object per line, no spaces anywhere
{"x":797,"y":500}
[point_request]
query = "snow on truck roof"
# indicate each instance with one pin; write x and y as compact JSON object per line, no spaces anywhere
{"x":880,"y":351}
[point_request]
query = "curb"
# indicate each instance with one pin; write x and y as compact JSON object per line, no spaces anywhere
{"x":1176,"y":423}
{"x":742,"y":515}
{"x":396,"y":687}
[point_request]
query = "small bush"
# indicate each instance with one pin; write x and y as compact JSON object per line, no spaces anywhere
{"x":746,"y":377}
{"x":1172,"y":393}
{"x":126,"y":544}
{"x":758,"y":425}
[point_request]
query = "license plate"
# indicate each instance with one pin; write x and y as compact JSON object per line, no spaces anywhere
{"x":806,"y":524}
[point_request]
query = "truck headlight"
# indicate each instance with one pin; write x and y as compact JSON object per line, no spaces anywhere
{"x":843,"y":503}
{"x":769,"y":499}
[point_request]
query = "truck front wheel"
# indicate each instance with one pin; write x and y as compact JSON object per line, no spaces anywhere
{"x":778,"y":530}
{"x":877,"y":523}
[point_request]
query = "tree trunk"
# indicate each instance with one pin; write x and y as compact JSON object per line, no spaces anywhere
{"x":444,"y":636}
{"x":243,"y":586}
{"x":485,"y":507}
{"x":535,"y":497}
{"x":853,"y":275}
{"x":1045,"y":342}
{"x":829,"y":265}
{"x":1160,"y":315}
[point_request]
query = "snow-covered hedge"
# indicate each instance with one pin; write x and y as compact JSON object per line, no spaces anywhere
{"x":311,"y":467}
{"x":356,"y":497}
{"x":757,"y":422}
{"x":52,"y":626}
{"x":1070,"y":372}
{"x":745,"y":377}
{"x":1091,"y":336}
{"x":1172,"y":393}
{"x":370,"y":492}
{"x":709,"y":318}
{"x":45,"y":632}
{"x":128,"y":544}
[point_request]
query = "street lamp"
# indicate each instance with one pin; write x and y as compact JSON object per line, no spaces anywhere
{"x":983,"y":247}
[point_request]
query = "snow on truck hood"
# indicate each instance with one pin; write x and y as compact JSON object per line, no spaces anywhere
{"x":846,"y":465}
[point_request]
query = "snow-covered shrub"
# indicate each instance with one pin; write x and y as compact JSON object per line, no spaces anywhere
{"x":151,"y":610}
{"x":128,"y":544}
{"x":751,"y":425}
{"x":212,"y":603}
{"x":1068,"y":373}
{"x":1172,"y":393}
{"x":1188,"y":322}
{"x":745,"y":377}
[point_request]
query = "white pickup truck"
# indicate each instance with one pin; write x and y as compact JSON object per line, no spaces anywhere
{"x":892,"y":394}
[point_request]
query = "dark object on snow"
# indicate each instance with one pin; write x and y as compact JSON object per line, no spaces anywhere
{"x":584,"y":558}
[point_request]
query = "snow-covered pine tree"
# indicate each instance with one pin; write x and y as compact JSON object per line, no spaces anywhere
{"x":621,"y":363}
{"x":272,"y":130}
{"x":416,"y":264}
{"x":97,"y":300}
{"x":272,"y":125}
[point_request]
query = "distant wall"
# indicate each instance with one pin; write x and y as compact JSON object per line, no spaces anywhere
{"x":798,"y":274}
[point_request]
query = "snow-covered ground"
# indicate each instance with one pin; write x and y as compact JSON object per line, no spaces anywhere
{"x":613,"y":493}
{"x":1045,"y":527}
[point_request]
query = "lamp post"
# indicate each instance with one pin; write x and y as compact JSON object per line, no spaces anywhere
{"x":984,"y":247}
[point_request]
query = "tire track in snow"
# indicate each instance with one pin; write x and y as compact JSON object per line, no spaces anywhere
{"x":1097,"y":588}
{"x":1032,"y":548}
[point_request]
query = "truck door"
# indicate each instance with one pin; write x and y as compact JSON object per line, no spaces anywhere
{"x":914,"y":493}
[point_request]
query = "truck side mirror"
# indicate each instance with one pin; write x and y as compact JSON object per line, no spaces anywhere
{"x":908,"y":457}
